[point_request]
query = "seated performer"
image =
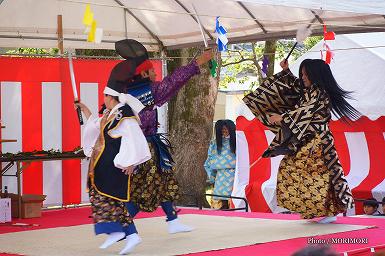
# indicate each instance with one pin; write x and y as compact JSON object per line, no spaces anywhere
{"x":153,"y":183}
{"x":310,"y":177}
{"x":116,"y":146}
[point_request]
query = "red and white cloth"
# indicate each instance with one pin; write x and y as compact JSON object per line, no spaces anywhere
{"x":360,"y":148}
{"x":38,"y":111}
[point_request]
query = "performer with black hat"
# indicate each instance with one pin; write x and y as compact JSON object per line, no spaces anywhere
{"x":153,"y":182}
{"x":116,"y":146}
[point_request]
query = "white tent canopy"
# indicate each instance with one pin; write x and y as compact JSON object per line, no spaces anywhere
{"x":358,"y":66}
{"x":357,"y":6}
{"x":170,"y":23}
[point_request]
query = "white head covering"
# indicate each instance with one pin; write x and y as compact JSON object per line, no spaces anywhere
{"x":128,"y":99}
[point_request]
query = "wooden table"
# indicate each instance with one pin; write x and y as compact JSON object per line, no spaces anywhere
{"x":27,"y":160}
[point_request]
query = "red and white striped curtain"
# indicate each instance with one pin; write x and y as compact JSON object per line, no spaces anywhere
{"x":37,"y":110}
{"x":360,"y":147}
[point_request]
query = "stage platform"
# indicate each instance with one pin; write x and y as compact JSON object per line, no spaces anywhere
{"x":70,"y":232}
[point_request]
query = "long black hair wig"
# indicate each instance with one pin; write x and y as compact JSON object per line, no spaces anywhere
{"x":218,"y":134}
{"x":320,"y":74}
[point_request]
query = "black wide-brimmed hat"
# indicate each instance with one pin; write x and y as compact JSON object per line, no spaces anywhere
{"x":130,"y":49}
{"x":135,"y":54}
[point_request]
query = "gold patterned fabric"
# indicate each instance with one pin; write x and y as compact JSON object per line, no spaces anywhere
{"x":151,"y":186}
{"x":275,"y":95}
{"x":218,"y":204}
{"x":304,"y":185}
{"x":309,"y":119}
{"x":303,"y":121}
{"x":106,"y":209}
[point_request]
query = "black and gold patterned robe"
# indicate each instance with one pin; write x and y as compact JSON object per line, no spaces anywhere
{"x":310,"y":177}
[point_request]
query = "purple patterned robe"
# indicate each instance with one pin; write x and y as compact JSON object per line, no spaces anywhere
{"x":150,"y":188}
{"x":163,"y":91}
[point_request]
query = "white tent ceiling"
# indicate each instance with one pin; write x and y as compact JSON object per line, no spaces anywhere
{"x":169,"y":23}
{"x":356,"y":6}
{"x":357,"y":65}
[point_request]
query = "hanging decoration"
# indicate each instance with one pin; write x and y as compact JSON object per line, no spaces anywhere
{"x":94,"y":34}
{"x":265,"y":63}
{"x":328,"y":36}
{"x":221,"y":32}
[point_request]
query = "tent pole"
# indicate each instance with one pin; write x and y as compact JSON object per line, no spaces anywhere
{"x":60,"y":33}
{"x":125,"y":23}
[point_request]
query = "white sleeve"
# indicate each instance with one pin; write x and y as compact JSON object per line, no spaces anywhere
{"x":134,"y":147}
{"x":90,"y":134}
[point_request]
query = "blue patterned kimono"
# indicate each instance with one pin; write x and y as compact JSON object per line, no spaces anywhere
{"x":220,"y":168}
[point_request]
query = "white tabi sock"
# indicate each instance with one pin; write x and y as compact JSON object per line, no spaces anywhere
{"x":175,"y":226}
{"x":112,"y":238}
{"x":327,"y":220}
{"x":132,"y":241}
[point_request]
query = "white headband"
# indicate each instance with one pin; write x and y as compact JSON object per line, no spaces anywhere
{"x":128,"y":99}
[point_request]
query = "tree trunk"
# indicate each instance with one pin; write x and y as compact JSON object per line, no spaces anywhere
{"x":270,"y":47}
{"x":191,"y":115}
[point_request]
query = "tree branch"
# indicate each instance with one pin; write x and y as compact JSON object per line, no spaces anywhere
{"x":256,"y":63}
{"x":237,"y":62}
{"x":239,"y":52}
